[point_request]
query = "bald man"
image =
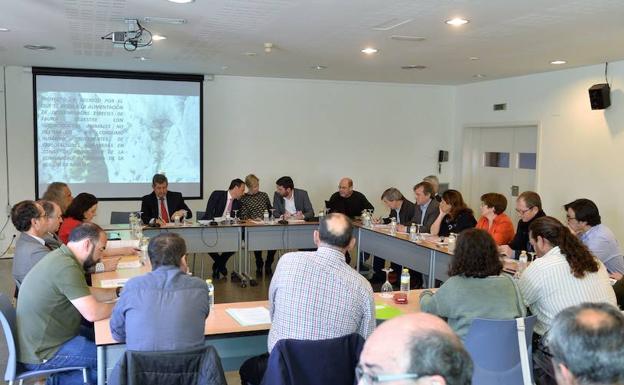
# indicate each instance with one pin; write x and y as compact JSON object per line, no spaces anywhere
{"x":348,"y":201}
{"x":429,"y":353}
{"x":316,"y":295}
{"x":587,"y":345}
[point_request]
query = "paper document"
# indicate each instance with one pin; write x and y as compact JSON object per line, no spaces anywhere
{"x":250,"y":316}
{"x":111,"y":283}
{"x":129,"y":265}
{"x":123,"y":243}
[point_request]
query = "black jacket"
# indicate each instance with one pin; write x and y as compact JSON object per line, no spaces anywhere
{"x":406,"y":214}
{"x":150,"y":206}
{"x":192,"y":367}
{"x":310,"y":362}
{"x":216,"y":205}
{"x":521,"y":239}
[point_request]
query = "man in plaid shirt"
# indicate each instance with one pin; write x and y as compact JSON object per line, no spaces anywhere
{"x":317,"y":295}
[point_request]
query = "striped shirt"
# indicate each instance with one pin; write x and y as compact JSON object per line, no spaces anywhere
{"x":548,"y":286}
{"x":316,"y":295}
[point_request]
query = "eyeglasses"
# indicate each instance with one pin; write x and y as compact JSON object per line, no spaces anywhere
{"x":569,"y":218}
{"x":522,"y":212}
{"x":370,"y":379}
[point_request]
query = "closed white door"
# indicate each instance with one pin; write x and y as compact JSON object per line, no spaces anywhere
{"x":503,"y":160}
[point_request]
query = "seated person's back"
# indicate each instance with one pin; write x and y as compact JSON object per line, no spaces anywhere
{"x":165,"y":309}
{"x":476,"y":288}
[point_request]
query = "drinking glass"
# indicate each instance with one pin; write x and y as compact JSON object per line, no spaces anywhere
{"x":386,"y":288}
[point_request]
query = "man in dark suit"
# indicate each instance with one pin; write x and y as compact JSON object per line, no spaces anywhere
{"x":403,"y":211}
{"x":426,"y":209}
{"x":291,"y":202}
{"x":221,"y":204}
{"x":162,"y":206}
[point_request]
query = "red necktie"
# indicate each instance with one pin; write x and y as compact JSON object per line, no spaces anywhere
{"x":163,"y":211}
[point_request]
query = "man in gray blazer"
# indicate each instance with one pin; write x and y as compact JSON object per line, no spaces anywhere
{"x":29,"y":219}
{"x":426,"y":208}
{"x":53,"y":220}
{"x":291,"y":202}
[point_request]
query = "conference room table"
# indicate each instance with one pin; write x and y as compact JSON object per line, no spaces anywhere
{"x":233,"y":342}
{"x":429,"y":256}
{"x":223,"y":238}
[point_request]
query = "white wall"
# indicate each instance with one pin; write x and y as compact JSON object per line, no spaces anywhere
{"x":380,"y":134}
{"x":581,"y":152}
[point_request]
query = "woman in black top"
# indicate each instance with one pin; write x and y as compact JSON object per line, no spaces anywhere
{"x":455,"y":216}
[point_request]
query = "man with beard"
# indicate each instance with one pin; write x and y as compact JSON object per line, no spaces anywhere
{"x":53,"y":297}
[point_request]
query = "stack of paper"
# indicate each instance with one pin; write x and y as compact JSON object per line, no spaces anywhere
{"x":250,"y":316}
{"x":111,"y":283}
{"x":124,"y":243}
{"x":129,"y":264}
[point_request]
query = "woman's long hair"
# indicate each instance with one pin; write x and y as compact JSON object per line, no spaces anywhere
{"x":456,"y":201}
{"x":579,"y":257}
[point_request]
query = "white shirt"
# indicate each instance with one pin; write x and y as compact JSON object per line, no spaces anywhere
{"x":40,"y":240}
{"x":229,"y":202}
{"x":548,"y":286}
{"x":289,"y":204}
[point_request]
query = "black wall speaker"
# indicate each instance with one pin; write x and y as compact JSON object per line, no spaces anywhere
{"x":600,"y":96}
{"x":442,"y":156}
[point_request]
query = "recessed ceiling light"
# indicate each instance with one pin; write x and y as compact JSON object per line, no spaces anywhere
{"x":2,"y":29}
{"x":319,"y":67}
{"x":249,"y":53}
{"x":458,"y":21}
{"x":558,"y":62}
{"x":413,"y":67}
{"x":407,"y":38}
{"x":181,"y":1}
{"x":159,"y":37}
{"x":37,"y":47}
{"x":370,"y":50}
{"x":478,"y":76}
{"x":142,"y":58}
{"x":473,"y":58}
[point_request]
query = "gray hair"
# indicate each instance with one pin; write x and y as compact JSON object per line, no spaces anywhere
{"x":592,"y":352}
{"x":392,"y":194}
{"x":56,"y":193}
{"x":440,"y":354}
{"x":431,"y":178}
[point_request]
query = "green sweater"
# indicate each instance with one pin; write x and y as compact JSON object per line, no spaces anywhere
{"x":461,"y":299}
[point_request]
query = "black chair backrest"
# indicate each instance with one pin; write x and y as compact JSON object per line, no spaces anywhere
{"x":200,"y":215}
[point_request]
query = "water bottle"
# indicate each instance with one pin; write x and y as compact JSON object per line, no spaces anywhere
{"x":265,"y":217}
{"x":393,"y":226}
{"x":522,"y":263}
{"x":405,"y":280}
{"x":210,"y":293}
{"x":413,"y":232}
{"x":321,"y":215}
{"x":451,"y":242}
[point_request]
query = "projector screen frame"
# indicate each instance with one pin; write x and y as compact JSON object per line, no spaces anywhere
{"x":113,"y":74}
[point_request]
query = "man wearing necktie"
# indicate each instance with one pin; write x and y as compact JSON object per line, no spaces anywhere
{"x":53,"y":221}
{"x":162,"y":206}
{"x":221,"y":204}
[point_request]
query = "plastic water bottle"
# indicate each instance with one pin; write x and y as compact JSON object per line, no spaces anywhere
{"x":265,"y":216}
{"x":522,"y":263}
{"x":210,"y":293}
{"x":393,"y":226}
{"x":413,"y":232}
{"x":405,"y":280}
